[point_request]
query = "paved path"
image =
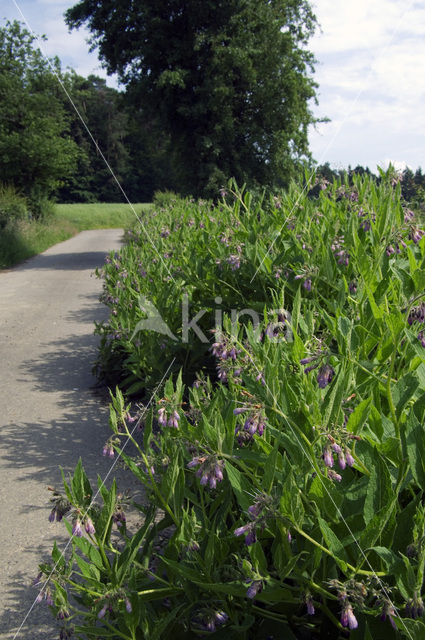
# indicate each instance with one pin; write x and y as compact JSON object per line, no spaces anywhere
{"x":49,"y":414}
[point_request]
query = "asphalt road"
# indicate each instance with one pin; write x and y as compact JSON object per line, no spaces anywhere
{"x":50,"y":414}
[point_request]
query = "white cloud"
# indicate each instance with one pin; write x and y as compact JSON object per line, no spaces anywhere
{"x":370,"y":81}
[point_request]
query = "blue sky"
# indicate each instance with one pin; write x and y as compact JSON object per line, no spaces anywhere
{"x":370,"y":74}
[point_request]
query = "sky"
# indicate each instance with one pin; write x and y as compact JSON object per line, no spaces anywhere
{"x":369,"y":69}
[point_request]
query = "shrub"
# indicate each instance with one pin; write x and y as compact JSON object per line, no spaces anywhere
{"x":12,"y":205}
{"x":286,"y":498}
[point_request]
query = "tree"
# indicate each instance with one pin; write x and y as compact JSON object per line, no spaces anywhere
{"x":226,"y":80}
{"x":102,"y":110}
{"x":36,"y":152}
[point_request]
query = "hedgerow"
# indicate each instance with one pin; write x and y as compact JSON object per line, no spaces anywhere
{"x":283,"y":464}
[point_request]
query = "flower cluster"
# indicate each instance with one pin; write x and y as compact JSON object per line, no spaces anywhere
{"x":61,"y":506}
{"x":366,"y":219}
{"x":168,"y":420}
{"x":344,"y":456}
{"x":306,"y":281}
{"x":415,"y":607}
{"x":258,"y":512}
{"x":325,"y":373}
{"x":210,"y":470}
{"x":254,"y":422}
{"x":209,"y":619}
{"x":77,"y":528}
{"x":417,"y":314}
{"x":341,"y":255}
{"x":226,"y":352}
{"x":416,"y":234}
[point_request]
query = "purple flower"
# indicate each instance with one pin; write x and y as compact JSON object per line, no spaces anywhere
{"x":421,"y":338}
{"x":240,"y":410}
{"x":349,"y":458}
{"x":255,"y":509}
{"x":310,"y":605}
{"x":388,"y":612}
{"x":77,"y":529}
{"x":307,"y":284}
{"x":52,"y":515}
{"x":248,"y":530}
{"x":415,"y":607}
{"x":352,"y":287}
{"x":254,"y":588}
{"x":108,"y":450}
{"x":328,"y":457}
{"x":221,"y":617}
{"x":416,"y":234}
{"x":89,"y":526}
{"x":341,"y":460}
{"x":218,"y":472}
{"x":162,"y":416}
{"x":222,"y":375}
{"x":102,"y":612}
{"x":174,"y":420}
{"x":128,"y":606}
{"x":348,"y":619}
{"x":325,"y":375}
{"x":333,"y":475}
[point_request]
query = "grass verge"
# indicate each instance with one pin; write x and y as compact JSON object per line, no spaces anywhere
{"x":24,"y":239}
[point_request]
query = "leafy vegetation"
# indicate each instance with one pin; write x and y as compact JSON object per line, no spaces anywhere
{"x":228,"y":82}
{"x":23,"y":238}
{"x":284,"y":495}
{"x":36,"y":151}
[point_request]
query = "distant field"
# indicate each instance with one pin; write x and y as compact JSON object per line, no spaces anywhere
{"x":27,"y":238}
{"x":98,"y":215}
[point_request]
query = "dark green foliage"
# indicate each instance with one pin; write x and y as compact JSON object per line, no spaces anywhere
{"x":227,"y":82}
{"x":12,"y":205}
{"x":36,"y":152}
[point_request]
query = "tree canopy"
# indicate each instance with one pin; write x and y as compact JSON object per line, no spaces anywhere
{"x":227,"y":81}
{"x":36,"y":151}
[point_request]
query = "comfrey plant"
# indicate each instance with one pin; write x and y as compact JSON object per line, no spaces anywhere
{"x":284,"y":497}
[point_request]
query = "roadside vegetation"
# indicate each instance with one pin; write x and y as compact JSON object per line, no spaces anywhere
{"x":282,"y":455}
{"x":21,"y":238}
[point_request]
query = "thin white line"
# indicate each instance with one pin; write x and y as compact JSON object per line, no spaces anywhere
{"x":94,"y":498}
{"x":338,"y":130}
{"x":98,"y":149}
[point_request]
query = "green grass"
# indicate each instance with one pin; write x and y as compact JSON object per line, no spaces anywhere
{"x":25,"y":238}
{"x":98,"y":215}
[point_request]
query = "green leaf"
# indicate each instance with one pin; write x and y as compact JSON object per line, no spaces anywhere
{"x":404,"y":390}
{"x":333,"y":399}
{"x":419,"y":280}
{"x":241,"y":487}
{"x":413,"y":437}
{"x":270,"y":468}
{"x":377,"y":312}
{"x":334,"y":545}
{"x":258,"y":558}
{"x":376,"y":526}
{"x":359,"y":416}
{"x":379,"y":489}
{"x":131,"y":549}
{"x":80,"y":485}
